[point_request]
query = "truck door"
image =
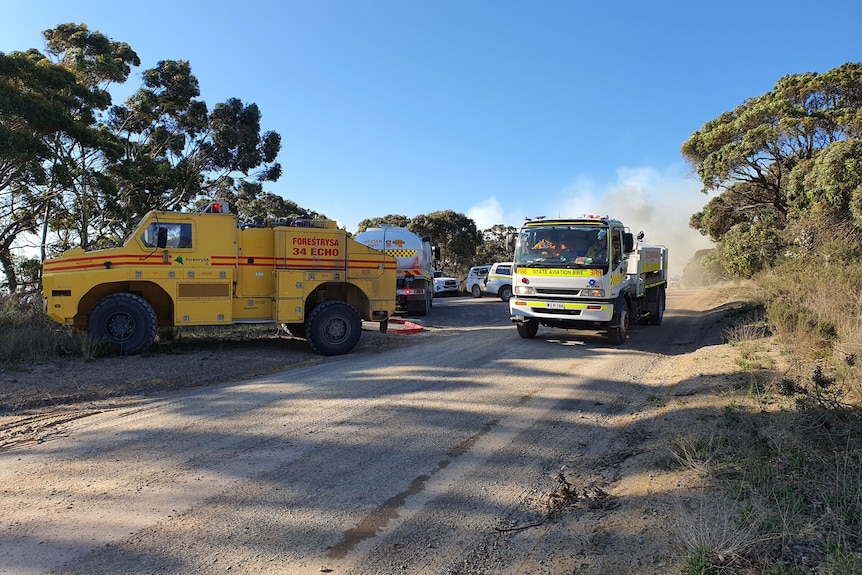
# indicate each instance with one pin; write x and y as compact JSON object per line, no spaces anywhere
{"x":255,"y":262}
{"x":289,"y":296}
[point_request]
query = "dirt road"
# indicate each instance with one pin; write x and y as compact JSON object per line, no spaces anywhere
{"x":449,"y":453}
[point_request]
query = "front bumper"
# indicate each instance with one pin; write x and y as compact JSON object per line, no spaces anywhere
{"x":555,"y":310}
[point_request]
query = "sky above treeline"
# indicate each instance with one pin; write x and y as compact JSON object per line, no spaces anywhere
{"x":499,"y":110}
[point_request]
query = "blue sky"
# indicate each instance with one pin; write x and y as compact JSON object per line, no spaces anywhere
{"x":495,"y":109}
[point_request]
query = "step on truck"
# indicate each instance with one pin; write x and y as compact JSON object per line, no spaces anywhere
{"x":195,"y":269}
{"x":587,"y":272}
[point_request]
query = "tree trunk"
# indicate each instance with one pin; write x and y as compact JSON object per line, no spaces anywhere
{"x":8,"y":269}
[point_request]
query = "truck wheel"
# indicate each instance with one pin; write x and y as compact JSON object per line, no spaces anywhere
{"x":125,"y":320}
{"x":656,"y":317}
{"x":505,"y":293}
{"x":333,"y":328}
{"x":528,"y":329}
{"x":617,"y":335}
{"x":424,"y":307}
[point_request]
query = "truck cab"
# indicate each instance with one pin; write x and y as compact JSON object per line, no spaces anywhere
{"x":585,"y":272}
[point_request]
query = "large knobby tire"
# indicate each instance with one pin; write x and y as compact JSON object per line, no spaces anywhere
{"x":656,"y":317}
{"x":617,"y":334}
{"x":476,"y":291}
{"x":333,"y":328}
{"x":124,"y":320}
{"x":505,"y":292}
{"x":528,"y":329}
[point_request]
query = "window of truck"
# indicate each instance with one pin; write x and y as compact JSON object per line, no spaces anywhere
{"x":179,"y":235}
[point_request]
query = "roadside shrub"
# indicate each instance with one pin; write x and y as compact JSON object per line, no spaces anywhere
{"x":812,"y":334}
{"x":814,"y":305}
{"x":750,"y":248}
{"x":27,"y":334}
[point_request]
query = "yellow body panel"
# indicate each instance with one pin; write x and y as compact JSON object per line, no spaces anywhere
{"x":213,"y":272}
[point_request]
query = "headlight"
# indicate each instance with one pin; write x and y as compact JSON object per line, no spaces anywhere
{"x":594,"y":293}
{"x":524,"y":290}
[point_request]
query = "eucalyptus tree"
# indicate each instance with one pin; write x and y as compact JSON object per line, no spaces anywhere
{"x":41,"y":103}
{"x":771,"y":161}
{"x":454,"y":233}
{"x":394,"y":219}
{"x":79,"y":183}
{"x":493,"y":247}
{"x":74,"y":165}
{"x":255,"y":206}
{"x":176,"y":150}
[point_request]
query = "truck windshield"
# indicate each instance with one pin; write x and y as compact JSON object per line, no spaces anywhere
{"x":562,"y":246}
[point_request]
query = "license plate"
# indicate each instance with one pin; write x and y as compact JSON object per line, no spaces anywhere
{"x":555,"y":305}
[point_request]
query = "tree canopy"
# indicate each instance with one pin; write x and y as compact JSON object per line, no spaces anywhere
{"x":82,"y":172}
{"x":394,"y":219}
{"x":454,"y":233}
{"x":41,"y":103}
{"x":78,"y":169}
{"x":461,"y":245}
{"x":776,"y":160}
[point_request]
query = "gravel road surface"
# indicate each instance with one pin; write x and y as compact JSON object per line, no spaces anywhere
{"x":465,"y":450}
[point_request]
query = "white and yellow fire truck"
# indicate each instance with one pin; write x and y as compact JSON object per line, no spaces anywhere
{"x":193,"y":269}
{"x":587,"y":272}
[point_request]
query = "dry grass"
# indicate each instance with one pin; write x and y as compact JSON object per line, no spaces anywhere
{"x":27,"y":334}
{"x":714,"y":537}
{"x":786,"y":462}
{"x":818,"y":318}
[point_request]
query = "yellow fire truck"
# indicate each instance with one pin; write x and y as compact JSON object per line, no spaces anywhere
{"x":193,"y":269}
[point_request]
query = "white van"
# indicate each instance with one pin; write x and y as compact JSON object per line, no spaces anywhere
{"x":500,"y":280}
{"x":476,"y":280}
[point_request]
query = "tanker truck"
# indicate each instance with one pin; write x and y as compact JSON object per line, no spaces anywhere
{"x":414,"y":291}
{"x":587,"y":272}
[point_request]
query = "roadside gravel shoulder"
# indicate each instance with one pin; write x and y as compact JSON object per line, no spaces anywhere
{"x":176,"y":365}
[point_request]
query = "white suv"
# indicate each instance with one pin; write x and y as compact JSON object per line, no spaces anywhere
{"x":500,"y":280}
{"x":445,"y":285}
{"x":476,"y":280}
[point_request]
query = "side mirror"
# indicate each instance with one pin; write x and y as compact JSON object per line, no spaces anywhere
{"x":162,"y":238}
{"x":628,"y":242}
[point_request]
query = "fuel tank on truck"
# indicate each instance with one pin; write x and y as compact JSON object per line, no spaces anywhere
{"x":407,"y":248}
